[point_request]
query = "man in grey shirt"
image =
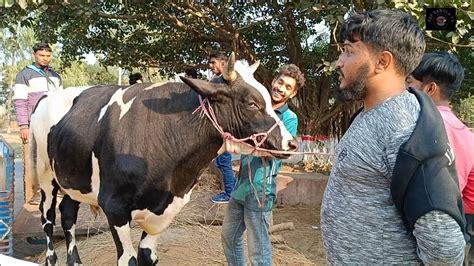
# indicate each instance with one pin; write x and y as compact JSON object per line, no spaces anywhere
{"x":374,"y":210}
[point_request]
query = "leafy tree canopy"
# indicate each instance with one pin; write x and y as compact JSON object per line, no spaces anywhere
{"x":174,"y":35}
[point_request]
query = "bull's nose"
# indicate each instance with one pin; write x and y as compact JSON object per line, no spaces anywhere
{"x":293,"y":145}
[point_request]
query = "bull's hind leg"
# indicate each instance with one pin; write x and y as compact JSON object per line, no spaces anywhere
{"x":48,"y":218}
{"x":147,"y":253}
{"x":69,"y":209}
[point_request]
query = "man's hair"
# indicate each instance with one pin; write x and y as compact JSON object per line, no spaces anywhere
{"x":191,"y":72}
{"x":293,"y":71}
{"x":42,"y":46}
{"x":388,"y":30}
{"x":442,"y":68}
{"x":219,"y":55}
{"x":133,"y":78}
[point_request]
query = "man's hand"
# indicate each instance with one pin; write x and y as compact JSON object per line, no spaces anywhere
{"x":24,"y":134}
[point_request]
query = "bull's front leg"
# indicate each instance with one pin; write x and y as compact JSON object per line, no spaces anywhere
{"x":147,"y":250}
{"x":119,"y":218}
{"x":126,"y":254}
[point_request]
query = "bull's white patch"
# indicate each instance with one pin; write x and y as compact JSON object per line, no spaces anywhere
{"x":247,"y":75}
{"x":91,"y":197}
{"x":155,"y":85}
{"x":123,"y":233}
{"x":117,"y":97}
{"x":240,"y":148}
{"x":154,"y":224}
{"x":73,"y":239}
{"x":49,"y":252}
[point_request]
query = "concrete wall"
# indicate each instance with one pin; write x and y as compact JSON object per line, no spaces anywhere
{"x":301,"y":188}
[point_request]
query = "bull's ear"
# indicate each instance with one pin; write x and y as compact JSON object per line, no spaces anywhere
{"x":207,"y":89}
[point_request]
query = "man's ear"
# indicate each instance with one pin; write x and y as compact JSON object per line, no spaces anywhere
{"x":384,"y":60}
{"x":207,"y":89}
{"x":431,"y":88}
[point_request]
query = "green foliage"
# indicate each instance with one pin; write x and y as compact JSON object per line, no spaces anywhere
{"x":79,"y":73}
{"x":174,"y":35}
{"x":459,"y":42}
{"x":465,"y":110}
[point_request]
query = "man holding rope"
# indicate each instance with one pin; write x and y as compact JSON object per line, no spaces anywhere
{"x":251,"y":202}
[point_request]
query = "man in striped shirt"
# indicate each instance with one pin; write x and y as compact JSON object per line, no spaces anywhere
{"x":31,"y":84}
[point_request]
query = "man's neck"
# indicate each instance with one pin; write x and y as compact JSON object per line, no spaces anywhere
{"x":381,"y":92}
{"x":443,"y":103}
{"x":41,"y":67}
{"x":277,"y":105}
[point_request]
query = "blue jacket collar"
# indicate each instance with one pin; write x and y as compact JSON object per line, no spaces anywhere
{"x":282,"y":109}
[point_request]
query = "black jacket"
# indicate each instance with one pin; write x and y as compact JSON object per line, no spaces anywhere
{"x":424,"y":177}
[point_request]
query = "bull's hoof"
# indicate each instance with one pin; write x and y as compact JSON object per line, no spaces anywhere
{"x":73,"y":258}
{"x":132,"y":261}
{"x":51,"y":260}
{"x":146,"y":257}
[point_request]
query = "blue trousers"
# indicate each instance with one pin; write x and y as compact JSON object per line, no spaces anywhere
{"x":238,"y":219}
{"x":224,"y":163}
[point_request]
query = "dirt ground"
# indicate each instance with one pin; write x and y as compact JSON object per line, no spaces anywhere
{"x":190,"y":241}
{"x":194,"y":237}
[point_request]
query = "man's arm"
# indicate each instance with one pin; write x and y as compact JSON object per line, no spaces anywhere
{"x":20,"y":102}
{"x":20,"y":99}
{"x":439,"y":239}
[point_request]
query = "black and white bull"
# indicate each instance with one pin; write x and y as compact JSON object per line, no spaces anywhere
{"x":137,"y":152}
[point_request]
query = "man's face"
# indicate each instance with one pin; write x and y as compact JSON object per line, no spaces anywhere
{"x":353,"y":67}
{"x":283,"y":89}
{"x":216,"y":65}
{"x":417,"y":84}
{"x":42,"y":58}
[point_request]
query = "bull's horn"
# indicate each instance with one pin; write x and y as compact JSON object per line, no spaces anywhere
{"x":229,"y":73}
{"x":255,"y":65}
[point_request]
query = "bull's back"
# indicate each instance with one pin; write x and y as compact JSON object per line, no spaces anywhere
{"x":71,"y":140}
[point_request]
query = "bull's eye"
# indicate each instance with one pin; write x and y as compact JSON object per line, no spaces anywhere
{"x":253,"y":106}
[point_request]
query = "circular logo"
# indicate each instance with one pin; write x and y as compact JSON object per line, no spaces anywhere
{"x":441,"y":19}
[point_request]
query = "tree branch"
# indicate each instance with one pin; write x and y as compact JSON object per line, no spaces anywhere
{"x":262,"y":20}
{"x":451,"y":44}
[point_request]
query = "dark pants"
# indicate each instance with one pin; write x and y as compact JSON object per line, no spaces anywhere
{"x":469,"y":222}
{"x":224,"y":163}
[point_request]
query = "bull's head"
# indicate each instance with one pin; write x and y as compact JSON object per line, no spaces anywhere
{"x":243,"y":108}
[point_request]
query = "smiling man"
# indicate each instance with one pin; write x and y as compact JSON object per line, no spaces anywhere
{"x":251,"y":202}
{"x":392,"y":196}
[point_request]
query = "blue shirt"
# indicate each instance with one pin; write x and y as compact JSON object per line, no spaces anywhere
{"x":244,"y":192}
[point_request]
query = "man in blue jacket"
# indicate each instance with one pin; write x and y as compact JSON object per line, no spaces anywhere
{"x":224,"y":161}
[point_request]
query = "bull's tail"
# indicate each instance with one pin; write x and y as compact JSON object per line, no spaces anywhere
{"x":95,"y":210}
{"x":33,"y":160}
